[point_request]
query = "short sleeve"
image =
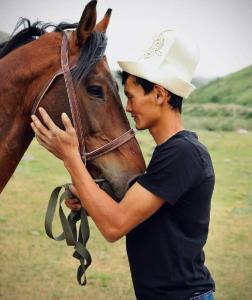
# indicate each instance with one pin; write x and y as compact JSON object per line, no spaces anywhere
{"x":173,"y":170}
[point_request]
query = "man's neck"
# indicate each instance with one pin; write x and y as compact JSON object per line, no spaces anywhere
{"x":169,"y":124}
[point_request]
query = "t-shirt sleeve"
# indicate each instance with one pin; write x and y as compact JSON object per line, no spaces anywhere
{"x":172,"y":171}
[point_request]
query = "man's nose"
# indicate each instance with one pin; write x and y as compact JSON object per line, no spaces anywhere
{"x":128,"y":107}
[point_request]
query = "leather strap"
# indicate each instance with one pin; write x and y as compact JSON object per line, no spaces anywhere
{"x":72,"y":95}
{"x":111,"y":145}
{"x":69,"y":229}
{"x":44,"y":91}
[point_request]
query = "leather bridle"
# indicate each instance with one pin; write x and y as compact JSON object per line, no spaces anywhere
{"x":74,"y":107}
{"x":69,"y":224}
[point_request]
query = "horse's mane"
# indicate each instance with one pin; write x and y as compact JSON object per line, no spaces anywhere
{"x":91,"y":51}
{"x":29,"y":33}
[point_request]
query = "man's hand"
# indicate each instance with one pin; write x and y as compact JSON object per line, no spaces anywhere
{"x":63,"y":144}
{"x":73,"y":203}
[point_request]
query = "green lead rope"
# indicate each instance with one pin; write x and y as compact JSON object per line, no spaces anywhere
{"x":69,"y":229}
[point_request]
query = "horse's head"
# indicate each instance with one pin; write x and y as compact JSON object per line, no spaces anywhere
{"x":100,"y":108}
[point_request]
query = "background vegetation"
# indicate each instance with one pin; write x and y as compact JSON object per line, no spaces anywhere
{"x":33,"y":267}
{"x":223,"y":104}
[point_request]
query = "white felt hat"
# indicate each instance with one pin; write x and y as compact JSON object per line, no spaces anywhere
{"x":170,"y":62}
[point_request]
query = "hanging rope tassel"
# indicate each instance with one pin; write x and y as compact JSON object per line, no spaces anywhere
{"x":69,"y":233}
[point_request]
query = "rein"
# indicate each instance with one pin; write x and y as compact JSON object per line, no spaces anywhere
{"x":69,"y":224}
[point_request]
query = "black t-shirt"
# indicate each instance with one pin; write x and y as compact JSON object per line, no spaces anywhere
{"x":165,"y":251}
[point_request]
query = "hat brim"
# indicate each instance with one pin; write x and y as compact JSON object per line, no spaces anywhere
{"x":165,"y":77}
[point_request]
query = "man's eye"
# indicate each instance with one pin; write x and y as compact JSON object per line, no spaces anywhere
{"x":95,"y":91}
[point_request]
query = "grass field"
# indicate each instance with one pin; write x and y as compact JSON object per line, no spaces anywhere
{"x":33,"y":267}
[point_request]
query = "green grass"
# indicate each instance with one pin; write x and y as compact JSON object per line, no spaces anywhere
{"x":234,"y":88}
{"x":33,"y":267}
{"x":213,"y":116}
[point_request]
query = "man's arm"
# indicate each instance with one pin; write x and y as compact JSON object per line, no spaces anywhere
{"x":113,"y":219}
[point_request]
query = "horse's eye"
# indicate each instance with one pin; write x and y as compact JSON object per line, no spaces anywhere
{"x":95,"y":91}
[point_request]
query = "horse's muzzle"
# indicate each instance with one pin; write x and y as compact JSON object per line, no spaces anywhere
{"x":105,"y":185}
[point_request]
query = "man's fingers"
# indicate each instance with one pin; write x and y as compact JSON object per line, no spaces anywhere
{"x":72,"y":201}
{"x":66,"y":122}
{"x":38,"y":127}
{"x":73,"y":204}
{"x":34,"y":128}
{"x":43,"y":142}
{"x":40,"y":141}
{"x":47,"y":119}
{"x":73,"y":190}
{"x":39,"y":135}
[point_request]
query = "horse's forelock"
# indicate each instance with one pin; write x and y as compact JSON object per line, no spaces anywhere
{"x":91,"y":52}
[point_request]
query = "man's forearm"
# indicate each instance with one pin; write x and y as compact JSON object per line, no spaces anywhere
{"x":101,"y":207}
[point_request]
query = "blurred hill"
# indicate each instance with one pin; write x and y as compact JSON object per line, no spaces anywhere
{"x":222,"y":104}
{"x":235,"y":88}
{"x":200,"y":81}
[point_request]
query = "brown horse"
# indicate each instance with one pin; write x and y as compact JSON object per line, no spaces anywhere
{"x":29,"y":60}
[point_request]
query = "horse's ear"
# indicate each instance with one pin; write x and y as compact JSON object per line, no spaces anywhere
{"x":103,"y":24}
{"x":87,"y":22}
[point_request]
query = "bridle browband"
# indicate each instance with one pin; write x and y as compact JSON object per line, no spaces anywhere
{"x":74,"y":107}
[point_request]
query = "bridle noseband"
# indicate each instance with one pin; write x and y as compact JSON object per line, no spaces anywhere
{"x":74,"y":107}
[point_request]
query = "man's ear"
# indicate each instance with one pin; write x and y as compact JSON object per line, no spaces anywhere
{"x":161,"y":94}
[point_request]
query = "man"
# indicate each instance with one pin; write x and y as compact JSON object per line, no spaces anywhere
{"x":165,"y":214}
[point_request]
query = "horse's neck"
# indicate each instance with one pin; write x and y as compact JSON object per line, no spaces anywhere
{"x":23,"y":75}
{"x":12,"y":147}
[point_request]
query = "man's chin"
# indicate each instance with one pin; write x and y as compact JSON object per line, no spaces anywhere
{"x":139,"y":127}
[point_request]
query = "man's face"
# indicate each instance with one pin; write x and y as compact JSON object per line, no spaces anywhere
{"x":142,"y":108}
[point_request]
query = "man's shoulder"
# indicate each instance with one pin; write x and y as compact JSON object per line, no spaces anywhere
{"x":183,"y":148}
{"x":181,"y":143}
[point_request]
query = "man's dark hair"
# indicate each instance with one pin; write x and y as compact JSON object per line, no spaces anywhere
{"x":175,"y":101}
